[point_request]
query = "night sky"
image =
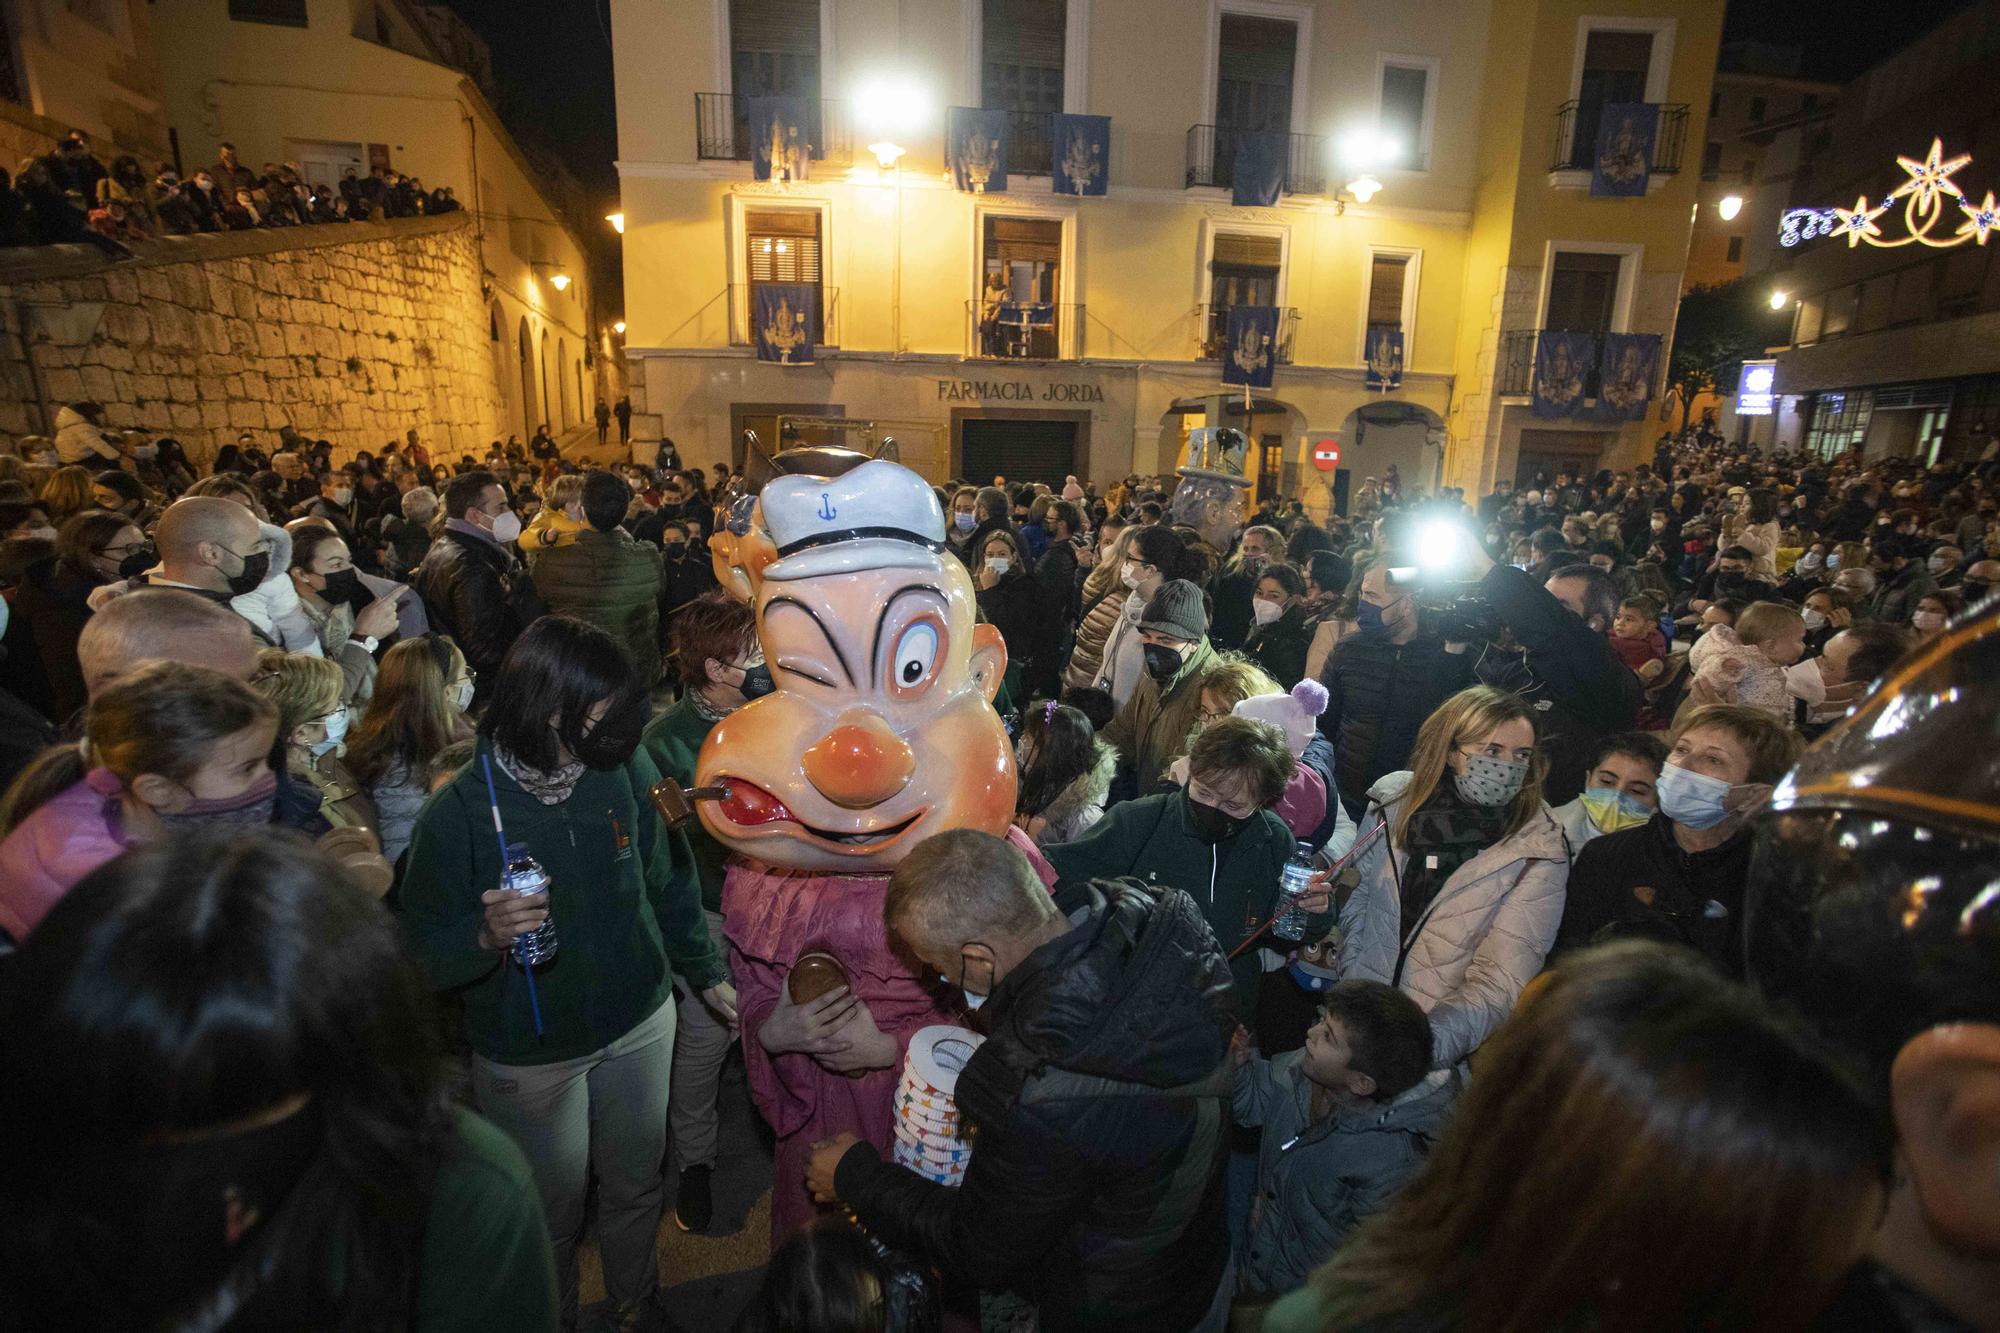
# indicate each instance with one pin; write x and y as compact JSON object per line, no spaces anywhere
{"x":552,"y":60}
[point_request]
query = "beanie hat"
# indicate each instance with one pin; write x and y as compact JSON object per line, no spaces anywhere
{"x":1291,"y":713}
{"x":1176,"y":611}
{"x":1070,"y":490}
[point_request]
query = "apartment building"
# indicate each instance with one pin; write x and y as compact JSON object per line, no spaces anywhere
{"x":1393,"y":203}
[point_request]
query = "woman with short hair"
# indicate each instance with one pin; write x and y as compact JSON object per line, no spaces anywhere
{"x":417,"y":711}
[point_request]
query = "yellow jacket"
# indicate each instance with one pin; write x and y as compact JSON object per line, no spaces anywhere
{"x":550,"y":527}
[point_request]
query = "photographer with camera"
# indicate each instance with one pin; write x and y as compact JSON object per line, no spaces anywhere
{"x":1580,"y":687}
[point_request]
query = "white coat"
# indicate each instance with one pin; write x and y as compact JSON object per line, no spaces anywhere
{"x":1483,"y":938}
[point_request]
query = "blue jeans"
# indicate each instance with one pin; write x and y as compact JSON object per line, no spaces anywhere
{"x":605,"y":1111}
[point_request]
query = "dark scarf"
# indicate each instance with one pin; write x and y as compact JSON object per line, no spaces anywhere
{"x":1444,"y":833}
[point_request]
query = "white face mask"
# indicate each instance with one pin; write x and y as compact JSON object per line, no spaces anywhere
{"x":1939,"y":564}
{"x":461,"y":695}
{"x":1265,"y":611}
{"x":1129,"y":575}
{"x":1814,"y":619}
{"x":998,"y":563}
{"x":1928,"y":621}
{"x":343,"y":496}
{"x":506,"y":526}
{"x":336,"y":732}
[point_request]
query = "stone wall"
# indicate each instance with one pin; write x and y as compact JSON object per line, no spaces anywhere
{"x":352,"y":333}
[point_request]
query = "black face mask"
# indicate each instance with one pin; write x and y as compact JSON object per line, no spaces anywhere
{"x":341,"y":586}
{"x":757,"y":681}
{"x":1975,"y":590}
{"x":1729,"y":578}
{"x":138,"y":562}
{"x":1211,"y":823}
{"x":673,"y":550}
{"x":1162,"y":663}
{"x":615,"y":737}
{"x":251,"y":577}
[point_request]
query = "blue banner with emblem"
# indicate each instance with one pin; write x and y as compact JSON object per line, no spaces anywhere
{"x":1082,"y":153}
{"x":1631,"y":360}
{"x":784,"y":318}
{"x":780,"y":138}
{"x":976,"y":148}
{"x":1385,"y":356}
{"x":1623,"y":161}
{"x":1562,"y":364}
{"x":1250,"y":348}
{"x":1259,"y":175}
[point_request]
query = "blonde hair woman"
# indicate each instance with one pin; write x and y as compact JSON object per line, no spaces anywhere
{"x":1103,"y":600}
{"x":68,"y":492}
{"x":1462,"y":871}
{"x":306,"y":692}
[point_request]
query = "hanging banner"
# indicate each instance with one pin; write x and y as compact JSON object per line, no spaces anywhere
{"x":1562,"y":360}
{"x":1082,"y":153}
{"x":780,"y":138}
{"x":1250,"y":346}
{"x":1385,"y":356}
{"x":1624,"y":159}
{"x":784,"y":317}
{"x":1259,"y":176}
{"x":1756,"y":388}
{"x":976,"y":148}
{"x":1630,"y":362}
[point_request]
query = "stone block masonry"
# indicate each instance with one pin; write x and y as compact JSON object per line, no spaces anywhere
{"x":352,"y":333}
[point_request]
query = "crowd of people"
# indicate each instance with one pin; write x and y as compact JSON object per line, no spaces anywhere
{"x":72,"y":196}
{"x":271,"y":714}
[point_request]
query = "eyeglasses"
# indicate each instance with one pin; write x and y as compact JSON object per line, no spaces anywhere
{"x":1207,"y":717}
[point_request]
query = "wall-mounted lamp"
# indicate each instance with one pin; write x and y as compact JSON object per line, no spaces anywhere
{"x":617,"y":221}
{"x":1729,"y":206}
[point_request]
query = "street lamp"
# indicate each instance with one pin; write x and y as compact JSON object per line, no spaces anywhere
{"x":617,"y":221}
{"x":1364,"y":188}
{"x":889,"y":108}
{"x":618,"y":327}
{"x":1780,"y":299}
{"x":1729,"y":206}
{"x":558,"y":279}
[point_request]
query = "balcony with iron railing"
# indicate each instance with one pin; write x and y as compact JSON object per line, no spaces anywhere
{"x":1576,"y":136}
{"x":1023,"y":331}
{"x":1514,"y":371}
{"x":743,"y":311}
{"x":1212,"y":332}
{"x":722,"y":129}
{"x":1211,"y":160}
{"x":1030,"y":142}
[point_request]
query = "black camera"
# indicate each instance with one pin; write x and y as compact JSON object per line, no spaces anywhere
{"x":1431,"y":554}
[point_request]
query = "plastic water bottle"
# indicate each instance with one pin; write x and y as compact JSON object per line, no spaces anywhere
{"x":525,"y":878}
{"x":1290,"y":923}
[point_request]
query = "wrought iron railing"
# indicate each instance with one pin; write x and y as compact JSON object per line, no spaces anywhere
{"x":1514,"y":375}
{"x":1212,"y":332}
{"x":1576,"y":136}
{"x":1211,"y":159}
{"x":722,"y":129}
{"x":1023,"y":331}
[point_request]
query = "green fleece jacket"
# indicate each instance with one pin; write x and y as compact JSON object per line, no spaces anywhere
{"x":611,"y":581}
{"x":622,"y":894}
{"x":1234,"y":882}
{"x":674,"y":740}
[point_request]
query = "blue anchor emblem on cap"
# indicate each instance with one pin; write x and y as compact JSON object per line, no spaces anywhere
{"x":826,"y":510}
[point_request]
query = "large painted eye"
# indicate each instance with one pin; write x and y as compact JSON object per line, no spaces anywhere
{"x":910,"y":666}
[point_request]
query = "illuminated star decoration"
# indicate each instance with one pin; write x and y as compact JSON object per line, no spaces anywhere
{"x":1980,"y":218}
{"x":1858,"y":222}
{"x":1931,"y":177}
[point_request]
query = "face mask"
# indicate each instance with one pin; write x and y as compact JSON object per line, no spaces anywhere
{"x":247,"y":808}
{"x":336,"y":731}
{"x":998,"y":563}
{"x":1939,"y":564}
{"x":614,"y":738}
{"x":1129,"y":575}
{"x":145,"y":453}
{"x":1691,"y":798}
{"x":965,"y":522}
{"x":1811,"y":561}
{"x":1975,"y":589}
{"x":251,"y":577}
{"x":972,"y":999}
{"x":673,"y":550}
{"x":1729,"y":578}
{"x":1162,"y":663}
{"x":343,"y":496}
{"x":1927,"y":621}
{"x":1833,"y":561}
{"x":1490,"y":781}
{"x":1369,"y":617}
{"x":1815,"y":620}
{"x":1264,"y":612}
{"x":506,"y":526}
{"x":1211,"y":823}
{"x":341,"y":585}
{"x":461,"y":695}
{"x":1611,"y":810}
{"x":40,"y":534}
{"x":757,"y":681}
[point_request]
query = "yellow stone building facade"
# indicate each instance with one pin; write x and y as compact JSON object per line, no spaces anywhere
{"x":1475,"y":118}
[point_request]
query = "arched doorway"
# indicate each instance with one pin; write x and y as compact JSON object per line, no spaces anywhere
{"x":503,"y":374}
{"x":1271,"y":425}
{"x":562,"y":385}
{"x":527,"y":381}
{"x":1409,"y":436}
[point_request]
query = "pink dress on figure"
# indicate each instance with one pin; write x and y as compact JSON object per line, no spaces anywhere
{"x":772,"y":917}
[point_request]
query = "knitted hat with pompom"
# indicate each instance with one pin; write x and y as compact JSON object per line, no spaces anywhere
{"x":1291,"y":713}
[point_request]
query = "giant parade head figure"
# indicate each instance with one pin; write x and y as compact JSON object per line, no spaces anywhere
{"x":880,"y":731}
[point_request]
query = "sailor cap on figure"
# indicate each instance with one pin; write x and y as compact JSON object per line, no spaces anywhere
{"x":880,"y":515}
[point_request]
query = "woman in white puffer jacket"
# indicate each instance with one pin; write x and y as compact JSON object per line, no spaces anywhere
{"x":1462,"y":872}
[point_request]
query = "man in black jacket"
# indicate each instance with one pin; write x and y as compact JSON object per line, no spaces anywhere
{"x":1099,"y":1097}
{"x":473,"y":587}
{"x":1059,"y":578}
{"x":1581,"y":689}
{"x":1381,"y":684}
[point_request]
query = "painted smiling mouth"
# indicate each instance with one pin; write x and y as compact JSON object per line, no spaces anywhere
{"x":750,"y":806}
